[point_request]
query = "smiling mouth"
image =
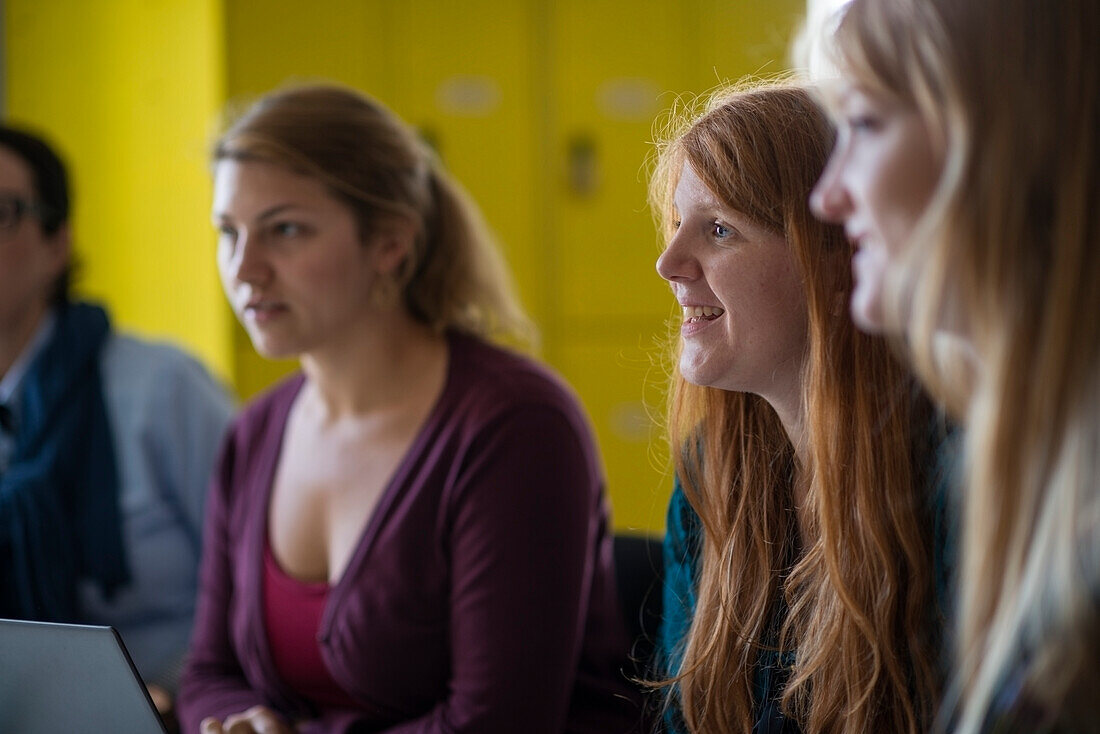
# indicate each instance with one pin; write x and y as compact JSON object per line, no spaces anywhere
{"x":697,"y":314}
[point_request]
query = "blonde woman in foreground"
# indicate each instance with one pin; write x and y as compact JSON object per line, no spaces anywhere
{"x":801,"y":586}
{"x":967,"y":171}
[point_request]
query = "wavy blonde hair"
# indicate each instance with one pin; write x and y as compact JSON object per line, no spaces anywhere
{"x":1008,"y":250}
{"x":854,"y":564}
{"x":455,"y":276}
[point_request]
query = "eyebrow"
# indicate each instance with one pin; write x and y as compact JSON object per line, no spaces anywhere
{"x":265,"y":214}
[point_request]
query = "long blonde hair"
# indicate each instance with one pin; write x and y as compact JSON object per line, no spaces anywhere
{"x":856,"y":575}
{"x":1009,"y":248}
{"x":455,"y":276}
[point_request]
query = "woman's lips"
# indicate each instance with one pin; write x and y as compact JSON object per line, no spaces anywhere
{"x":262,"y":312}
{"x":697,"y":318}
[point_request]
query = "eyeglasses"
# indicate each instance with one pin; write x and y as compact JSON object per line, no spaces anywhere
{"x":13,"y":209}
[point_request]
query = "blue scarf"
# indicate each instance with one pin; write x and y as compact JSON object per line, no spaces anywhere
{"x":59,"y":511}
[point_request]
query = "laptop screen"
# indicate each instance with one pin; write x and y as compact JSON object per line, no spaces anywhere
{"x":67,"y":677}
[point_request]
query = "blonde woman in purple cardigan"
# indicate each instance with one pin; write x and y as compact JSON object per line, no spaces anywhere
{"x":411,"y":535}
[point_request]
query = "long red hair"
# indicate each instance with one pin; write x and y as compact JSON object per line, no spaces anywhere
{"x":853,"y":565}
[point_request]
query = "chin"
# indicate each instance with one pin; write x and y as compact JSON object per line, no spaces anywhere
{"x":866,"y":313}
{"x":270,"y":349}
{"x":698,"y":375}
{"x":867,"y":324}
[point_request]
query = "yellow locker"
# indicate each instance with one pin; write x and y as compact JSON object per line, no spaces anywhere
{"x":544,"y":109}
{"x":614,"y":66}
{"x":610,"y":79}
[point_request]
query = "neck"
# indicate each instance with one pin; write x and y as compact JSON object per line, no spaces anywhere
{"x":788,"y":405}
{"x":792,"y":416}
{"x":17,"y":334}
{"x":380,"y":366}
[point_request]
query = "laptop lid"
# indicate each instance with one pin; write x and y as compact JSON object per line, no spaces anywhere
{"x":70,"y":678}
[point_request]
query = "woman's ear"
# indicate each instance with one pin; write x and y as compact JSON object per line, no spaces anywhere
{"x":394,"y":241}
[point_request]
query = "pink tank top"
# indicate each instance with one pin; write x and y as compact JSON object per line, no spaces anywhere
{"x":292,"y":617}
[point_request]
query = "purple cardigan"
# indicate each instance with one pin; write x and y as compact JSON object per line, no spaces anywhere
{"x":481,"y":597}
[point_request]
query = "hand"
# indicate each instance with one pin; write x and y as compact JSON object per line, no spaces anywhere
{"x":166,"y":707}
{"x":257,"y":720}
{"x":162,"y":699}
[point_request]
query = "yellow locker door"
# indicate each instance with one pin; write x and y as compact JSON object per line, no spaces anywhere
{"x":615,"y":66}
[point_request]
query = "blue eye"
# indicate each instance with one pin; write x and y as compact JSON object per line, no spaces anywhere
{"x":862,"y":123}
{"x":287,"y":229}
{"x":721,"y":231}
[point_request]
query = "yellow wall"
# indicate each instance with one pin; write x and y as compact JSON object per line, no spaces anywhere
{"x":544,"y":109}
{"x":126,"y":89}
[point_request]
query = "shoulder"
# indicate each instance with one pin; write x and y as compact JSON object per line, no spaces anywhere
{"x":944,"y":496}
{"x":493,"y":381}
{"x":683,"y":528}
{"x":158,"y":385}
{"x":252,"y":444}
{"x":143,"y":365}
{"x":681,"y":549}
{"x":938,"y":463}
{"x":126,"y":352}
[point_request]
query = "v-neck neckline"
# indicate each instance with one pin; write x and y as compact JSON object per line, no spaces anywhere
{"x":393,"y":489}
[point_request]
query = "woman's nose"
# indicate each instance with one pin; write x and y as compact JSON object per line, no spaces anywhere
{"x":829,"y":199}
{"x":248,"y":262}
{"x":675,"y":262}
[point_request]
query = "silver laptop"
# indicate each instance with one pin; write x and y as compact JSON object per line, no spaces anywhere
{"x":70,"y":678}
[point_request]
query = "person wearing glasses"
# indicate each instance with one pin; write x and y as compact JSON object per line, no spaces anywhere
{"x":106,"y":442}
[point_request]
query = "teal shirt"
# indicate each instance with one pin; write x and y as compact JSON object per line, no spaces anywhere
{"x":682,"y":553}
